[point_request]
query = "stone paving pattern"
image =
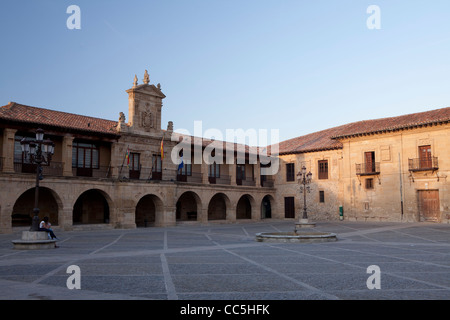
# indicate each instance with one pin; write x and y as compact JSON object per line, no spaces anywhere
{"x":224,"y":262}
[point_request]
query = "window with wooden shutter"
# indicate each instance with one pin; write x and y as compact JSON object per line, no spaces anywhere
{"x":323,"y":169}
{"x":290,"y":172}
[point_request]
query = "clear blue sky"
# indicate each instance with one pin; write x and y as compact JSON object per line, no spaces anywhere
{"x":297,"y":66}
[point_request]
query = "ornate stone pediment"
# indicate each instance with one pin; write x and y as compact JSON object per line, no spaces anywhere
{"x":144,"y":106}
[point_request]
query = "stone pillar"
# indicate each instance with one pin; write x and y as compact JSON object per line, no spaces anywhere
{"x":5,"y":218}
{"x":205,"y":179}
{"x":232,"y":172}
{"x":256,"y":211}
{"x":203,"y":215}
{"x":8,"y":150}
{"x":115,"y":158}
{"x":169,"y":218}
{"x":65,"y":218}
{"x":257,"y":173}
{"x":66,"y":156}
{"x":231,"y":213}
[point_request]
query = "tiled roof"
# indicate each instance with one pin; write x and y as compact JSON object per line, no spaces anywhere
{"x":39,"y":116}
{"x":322,"y":140}
{"x":204,"y":142}
{"x":329,"y":139}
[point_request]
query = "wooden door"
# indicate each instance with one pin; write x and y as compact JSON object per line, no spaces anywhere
{"x":370,"y":161}
{"x":425,"y":157}
{"x":429,"y":209}
{"x":289,"y":207}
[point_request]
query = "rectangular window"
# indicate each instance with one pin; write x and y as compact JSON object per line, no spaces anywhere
{"x":85,"y":155}
{"x":323,"y":169}
{"x":156,"y":163}
{"x":322,"y":196}
{"x":289,"y":207}
{"x":186,"y":170}
{"x":134,"y":166}
{"x":18,"y":154}
{"x":290,"y":172}
{"x":240,"y":172}
{"x":369,"y":183}
{"x":156,"y":167}
{"x":134,"y":161}
{"x":214,"y":170}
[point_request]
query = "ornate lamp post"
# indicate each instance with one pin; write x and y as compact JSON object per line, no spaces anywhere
{"x":304,"y":179}
{"x":37,"y":151}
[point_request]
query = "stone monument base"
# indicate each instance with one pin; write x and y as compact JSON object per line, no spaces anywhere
{"x":304,"y":223}
{"x":34,"y":240}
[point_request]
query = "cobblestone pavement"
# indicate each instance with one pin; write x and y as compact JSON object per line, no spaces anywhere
{"x":224,"y":262}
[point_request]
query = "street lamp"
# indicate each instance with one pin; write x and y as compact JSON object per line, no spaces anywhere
{"x":37,"y":151}
{"x":304,"y":179}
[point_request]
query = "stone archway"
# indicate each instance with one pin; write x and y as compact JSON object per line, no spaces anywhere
{"x":188,"y":207}
{"x":91,"y":207}
{"x":244,"y":207}
{"x":267,"y":204}
{"x":49,"y":205}
{"x":217,"y":208}
{"x":147,"y":210}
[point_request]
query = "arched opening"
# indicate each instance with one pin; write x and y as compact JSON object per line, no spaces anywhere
{"x":91,"y":207}
{"x":22,"y":213}
{"x":244,"y":208}
{"x":146,"y":211}
{"x":266,"y":207}
{"x":188,"y":207}
{"x":217,"y":208}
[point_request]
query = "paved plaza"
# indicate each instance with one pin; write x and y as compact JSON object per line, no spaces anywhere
{"x":224,"y":262}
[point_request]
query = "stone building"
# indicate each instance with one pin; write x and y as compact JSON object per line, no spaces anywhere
{"x":118,"y":174}
{"x":391,"y":169}
{"x":122,"y":174}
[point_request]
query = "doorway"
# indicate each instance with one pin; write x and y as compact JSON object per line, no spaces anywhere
{"x":429,"y":208}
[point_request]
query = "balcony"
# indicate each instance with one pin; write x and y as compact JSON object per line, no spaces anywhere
{"x":367,"y":169}
{"x":100,"y":172}
{"x":223,"y":179}
{"x":267,"y":183}
{"x":54,"y":169}
{"x":143,"y":174}
{"x":425,"y":164}
{"x":250,"y":182}
{"x":194,"y":177}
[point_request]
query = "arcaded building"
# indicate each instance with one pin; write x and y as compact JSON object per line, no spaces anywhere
{"x":122,"y":174}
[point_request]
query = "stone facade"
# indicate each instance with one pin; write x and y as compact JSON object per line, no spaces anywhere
{"x":112,"y":174}
{"x":400,"y":184}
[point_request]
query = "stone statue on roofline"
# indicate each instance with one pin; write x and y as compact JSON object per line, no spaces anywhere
{"x":146,"y":77}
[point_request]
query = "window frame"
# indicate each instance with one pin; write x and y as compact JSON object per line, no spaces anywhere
{"x":86,"y":148}
{"x":321,"y":196}
{"x":323,"y":169}
{"x":290,"y":172}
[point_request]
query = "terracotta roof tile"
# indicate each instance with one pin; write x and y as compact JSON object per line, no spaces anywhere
{"x":40,"y":116}
{"x":329,"y":139}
